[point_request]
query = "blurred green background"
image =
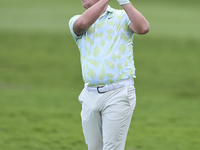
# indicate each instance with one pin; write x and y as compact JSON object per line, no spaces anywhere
{"x":40,"y":77}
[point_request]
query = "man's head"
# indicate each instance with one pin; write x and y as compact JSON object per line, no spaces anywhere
{"x":88,"y":3}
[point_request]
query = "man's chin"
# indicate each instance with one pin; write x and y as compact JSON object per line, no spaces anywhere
{"x":86,"y":6}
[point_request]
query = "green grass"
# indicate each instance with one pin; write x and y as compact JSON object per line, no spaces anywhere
{"x":40,"y":77}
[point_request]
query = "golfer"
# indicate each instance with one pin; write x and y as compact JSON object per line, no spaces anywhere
{"x":104,"y":37}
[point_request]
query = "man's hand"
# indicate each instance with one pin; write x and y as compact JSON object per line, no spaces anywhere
{"x":123,"y":2}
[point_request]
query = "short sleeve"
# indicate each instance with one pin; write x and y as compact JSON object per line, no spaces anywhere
{"x":71,"y":23}
{"x":127,"y":19}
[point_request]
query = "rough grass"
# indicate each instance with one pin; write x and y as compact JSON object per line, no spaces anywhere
{"x":40,"y":77}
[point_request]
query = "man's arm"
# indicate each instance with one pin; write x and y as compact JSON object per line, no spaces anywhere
{"x":84,"y":22}
{"x":138,"y":23}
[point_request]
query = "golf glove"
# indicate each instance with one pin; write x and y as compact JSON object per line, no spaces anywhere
{"x":123,"y":2}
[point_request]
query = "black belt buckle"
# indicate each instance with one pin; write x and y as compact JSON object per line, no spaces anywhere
{"x":98,"y":89}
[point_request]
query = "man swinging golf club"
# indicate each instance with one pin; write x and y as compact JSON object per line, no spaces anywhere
{"x":104,"y":37}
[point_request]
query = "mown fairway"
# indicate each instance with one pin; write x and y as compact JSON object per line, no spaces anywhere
{"x":40,"y":77}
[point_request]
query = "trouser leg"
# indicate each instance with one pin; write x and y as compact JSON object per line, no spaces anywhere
{"x":115,"y":133}
{"x":93,"y":132}
{"x":116,"y":119}
{"x":91,"y":121}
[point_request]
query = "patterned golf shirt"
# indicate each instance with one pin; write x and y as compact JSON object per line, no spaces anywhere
{"x":106,"y":48}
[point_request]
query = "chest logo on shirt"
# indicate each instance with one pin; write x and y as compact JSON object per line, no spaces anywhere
{"x":110,"y":18}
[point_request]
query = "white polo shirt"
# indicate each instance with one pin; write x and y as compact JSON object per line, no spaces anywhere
{"x":106,"y":48}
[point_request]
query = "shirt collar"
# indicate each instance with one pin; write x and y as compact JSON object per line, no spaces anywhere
{"x":109,"y":10}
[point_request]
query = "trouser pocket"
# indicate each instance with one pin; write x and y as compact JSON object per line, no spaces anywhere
{"x":131,"y":96}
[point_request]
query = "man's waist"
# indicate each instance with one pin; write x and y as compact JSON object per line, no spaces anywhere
{"x":109,"y":87}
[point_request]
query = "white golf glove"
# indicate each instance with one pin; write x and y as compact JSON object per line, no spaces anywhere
{"x":123,"y":2}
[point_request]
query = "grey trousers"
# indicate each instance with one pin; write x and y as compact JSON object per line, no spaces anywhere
{"x":106,"y":117}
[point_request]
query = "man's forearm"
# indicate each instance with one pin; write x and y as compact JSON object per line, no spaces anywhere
{"x":90,"y":16}
{"x":138,"y":24}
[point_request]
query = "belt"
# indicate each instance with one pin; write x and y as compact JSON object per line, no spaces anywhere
{"x":110,"y":87}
